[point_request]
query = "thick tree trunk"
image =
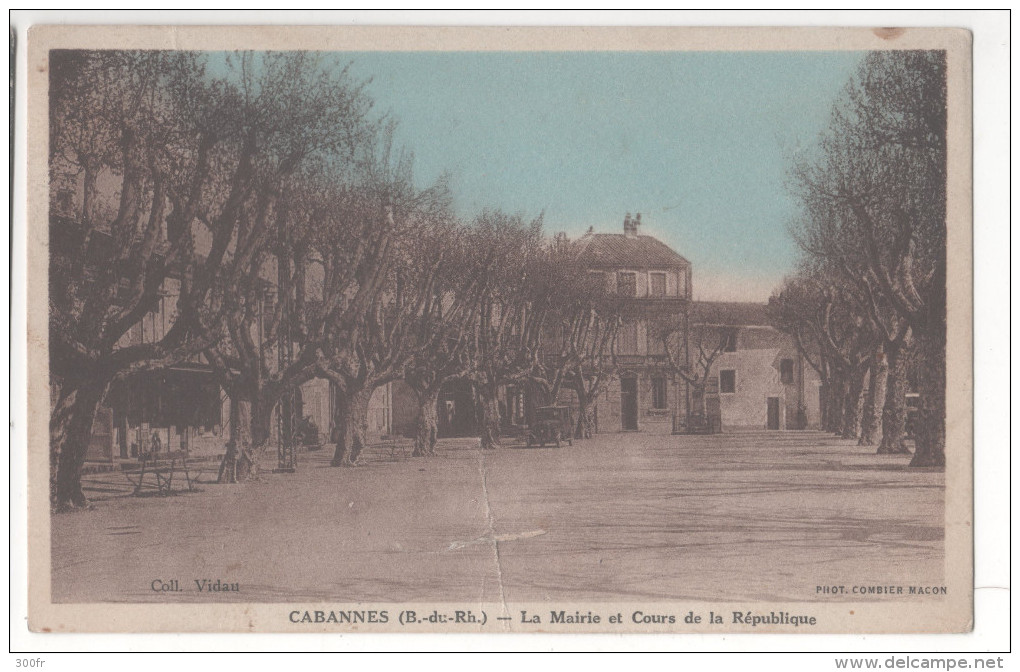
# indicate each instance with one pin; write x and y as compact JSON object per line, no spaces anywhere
{"x":836,"y":394}
{"x":351,"y":426}
{"x":359,"y":406}
{"x":586,"y":422}
{"x":70,"y":434}
{"x":250,"y":430}
{"x":261,"y":432}
{"x":853,"y":406}
{"x":489,"y":405}
{"x":428,"y":422}
{"x":823,"y":405}
{"x":871,"y":425}
{"x":930,"y":429}
{"x":930,"y":435}
{"x":585,"y":414}
{"x":239,"y":446}
{"x":894,"y":415}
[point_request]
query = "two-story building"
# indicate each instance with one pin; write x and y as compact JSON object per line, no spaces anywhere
{"x":652,"y":283}
{"x":758,"y":379}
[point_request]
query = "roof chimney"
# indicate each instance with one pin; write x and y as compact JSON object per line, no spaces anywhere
{"x":630,"y":226}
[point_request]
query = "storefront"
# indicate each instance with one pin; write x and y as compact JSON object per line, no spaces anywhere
{"x":180,"y":408}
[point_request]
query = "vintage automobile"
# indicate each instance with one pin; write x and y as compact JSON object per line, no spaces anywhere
{"x":552,"y":424}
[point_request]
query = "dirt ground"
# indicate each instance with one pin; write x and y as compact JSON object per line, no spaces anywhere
{"x":755,"y":516}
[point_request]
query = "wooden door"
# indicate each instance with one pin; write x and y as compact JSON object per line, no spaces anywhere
{"x":773,"y":413}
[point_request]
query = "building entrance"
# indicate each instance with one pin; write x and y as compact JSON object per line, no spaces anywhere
{"x":773,"y":412}
{"x":457,"y":410}
{"x":629,"y":403}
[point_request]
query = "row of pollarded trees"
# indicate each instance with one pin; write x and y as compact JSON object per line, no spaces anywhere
{"x":258,"y":195}
{"x":183,"y":167}
{"x":252,"y":190}
{"x":868,"y":307}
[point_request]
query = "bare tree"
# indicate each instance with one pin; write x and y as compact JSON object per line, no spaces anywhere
{"x":298,"y":116}
{"x":146,"y":124}
{"x":885,"y":408}
{"x":707,"y":339}
{"x":578,"y":351}
{"x":354,"y":277}
{"x":793,"y":310}
{"x":441,"y":335}
{"x":834,"y":338}
{"x":876,"y":194}
{"x":274,"y":328}
{"x":370,"y":349}
{"x":512,"y":310}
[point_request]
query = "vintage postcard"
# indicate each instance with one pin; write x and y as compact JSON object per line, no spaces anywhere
{"x":499,"y":330}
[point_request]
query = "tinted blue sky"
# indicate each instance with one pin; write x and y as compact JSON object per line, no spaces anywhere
{"x":697,"y":142}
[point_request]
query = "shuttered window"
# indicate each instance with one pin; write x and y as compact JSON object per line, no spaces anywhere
{"x":628,"y":339}
{"x":786,"y":371}
{"x":659,"y":393}
{"x":727,"y":381}
{"x":657,"y":284}
{"x":626,"y":283}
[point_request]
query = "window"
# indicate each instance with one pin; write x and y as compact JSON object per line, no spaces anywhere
{"x":786,"y":371}
{"x":626,"y":284}
{"x":656,"y":346}
{"x":657,"y":284}
{"x":727,"y":381}
{"x":628,"y":339}
{"x":681,"y":283}
{"x":659,"y":393}
{"x":729,"y":340}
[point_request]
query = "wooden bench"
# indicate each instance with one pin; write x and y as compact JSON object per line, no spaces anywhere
{"x":163,"y":466}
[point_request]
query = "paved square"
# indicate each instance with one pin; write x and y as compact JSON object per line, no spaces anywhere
{"x":755,"y":516}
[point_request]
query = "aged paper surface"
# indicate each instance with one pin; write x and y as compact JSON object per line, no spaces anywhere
{"x":708,"y":494}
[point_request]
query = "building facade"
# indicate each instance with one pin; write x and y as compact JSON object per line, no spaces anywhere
{"x":652,"y":285}
{"x":758,"y":379}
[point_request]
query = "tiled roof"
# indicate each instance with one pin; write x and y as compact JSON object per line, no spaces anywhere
{"x":730,"y":313}
{"x":615,"y":250}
